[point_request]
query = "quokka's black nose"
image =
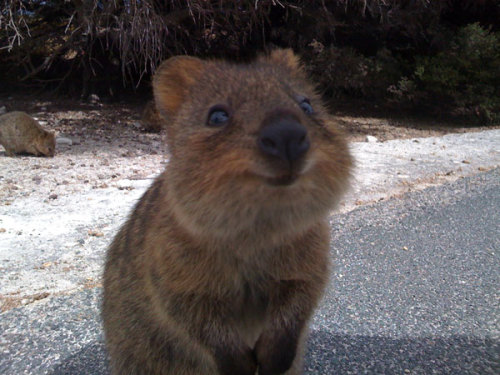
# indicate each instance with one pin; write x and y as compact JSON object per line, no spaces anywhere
{"x":285,"y":139}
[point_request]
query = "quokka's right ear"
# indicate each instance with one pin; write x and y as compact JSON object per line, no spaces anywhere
{"x":172,"y":82}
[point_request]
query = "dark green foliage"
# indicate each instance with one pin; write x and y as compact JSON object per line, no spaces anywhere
{"x":467,"y":73}
{"x":464,"y":77}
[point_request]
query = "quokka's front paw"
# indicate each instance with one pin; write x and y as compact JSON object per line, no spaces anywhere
{"x":241,"y":363}
{"x":275,"y":352}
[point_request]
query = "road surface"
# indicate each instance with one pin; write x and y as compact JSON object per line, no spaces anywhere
{"x":415,"y":290}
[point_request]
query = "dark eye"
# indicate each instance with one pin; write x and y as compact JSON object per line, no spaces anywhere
{"x":218,"y":116}
{"x":306,"y":106}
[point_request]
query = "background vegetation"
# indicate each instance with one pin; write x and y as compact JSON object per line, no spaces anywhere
{"x":441,"y":56}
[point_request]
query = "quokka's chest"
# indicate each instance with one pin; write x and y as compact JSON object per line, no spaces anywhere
{"x":251,"y":314}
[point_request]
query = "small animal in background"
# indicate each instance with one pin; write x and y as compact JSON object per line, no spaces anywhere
{"x":21,"y":133}
{"x":223,"y":260}
{"x":151,"y":120}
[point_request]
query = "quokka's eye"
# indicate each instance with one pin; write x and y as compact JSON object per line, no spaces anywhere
{"x":218,"y":116}
{"x":306,"y":106}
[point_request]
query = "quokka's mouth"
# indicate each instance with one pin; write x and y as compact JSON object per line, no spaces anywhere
{"x":283,"y":180}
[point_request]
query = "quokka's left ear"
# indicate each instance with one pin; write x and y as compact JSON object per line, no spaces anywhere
{"x":172,"y":82}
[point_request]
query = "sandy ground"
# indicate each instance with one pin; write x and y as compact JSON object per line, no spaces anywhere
{"x":58,"y":215}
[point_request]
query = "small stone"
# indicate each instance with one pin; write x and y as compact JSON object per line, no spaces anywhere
{"x":3,"y":230}
{"x":3,"y":110}
{"x":53,"y":196}
{"x":125,"y":188}
{"x":95,"y":233}
{"x":371,"y":139}
{"x":40,"y":296}
{"x":465,"y":161}
{"x":64,"y":141}
{"x":94,"y":99}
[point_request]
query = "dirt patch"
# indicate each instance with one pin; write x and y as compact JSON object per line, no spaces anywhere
{"x":387,"y":128}
{"x":119,"y":122}
{"x":9,"y":302}
{"x":109,"y":148}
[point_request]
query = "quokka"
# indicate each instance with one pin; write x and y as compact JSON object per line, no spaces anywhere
{"x":223,"y":260}
{"x":21,"y":133}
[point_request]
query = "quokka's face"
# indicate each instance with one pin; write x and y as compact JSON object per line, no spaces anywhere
{"x":251,"y":135}
{"x":47,"y":144}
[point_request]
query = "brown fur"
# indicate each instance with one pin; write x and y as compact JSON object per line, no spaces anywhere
{"x":218,"y":270}
{"x":21,"y":133}
{"x":151,"y":120}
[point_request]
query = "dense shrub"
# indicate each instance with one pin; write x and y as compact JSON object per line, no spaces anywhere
{"x":466,"y":73}
{"x":347,"y":72}
{"x":464,"y":77}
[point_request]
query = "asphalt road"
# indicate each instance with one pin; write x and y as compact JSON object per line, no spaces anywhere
{"x":416,"y":290}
